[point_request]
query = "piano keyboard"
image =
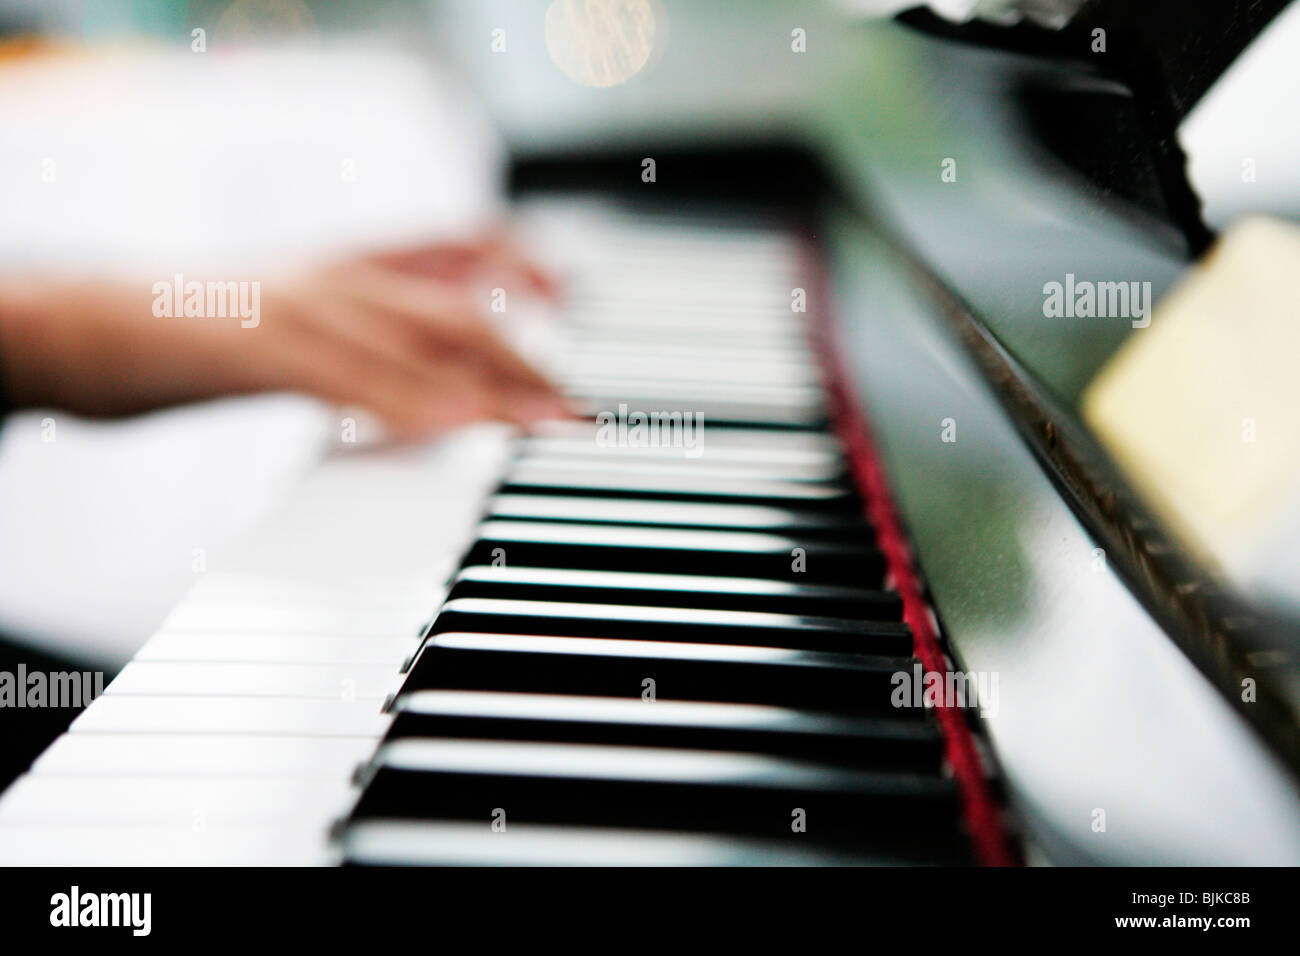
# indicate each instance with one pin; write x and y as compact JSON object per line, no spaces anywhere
{"x":682,"y":652}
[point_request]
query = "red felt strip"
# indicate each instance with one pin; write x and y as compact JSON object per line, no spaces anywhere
{"x":981,"y":811}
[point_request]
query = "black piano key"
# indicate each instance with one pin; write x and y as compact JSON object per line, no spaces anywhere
{"x":739,"y":554}
{"x":675,"y":590}
{"x":879,"y":742}
{"x":701,"y":791}
{"x":685,"y":625}
{"x":847,"y":683}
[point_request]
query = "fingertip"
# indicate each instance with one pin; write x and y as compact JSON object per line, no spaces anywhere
{"x":545,"y":284}
{"x":538,"y":406}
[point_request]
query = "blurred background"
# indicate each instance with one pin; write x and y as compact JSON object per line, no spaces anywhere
{"x":145,"y":136}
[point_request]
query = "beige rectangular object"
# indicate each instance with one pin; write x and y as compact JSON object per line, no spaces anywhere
{"x":1200,"y":409}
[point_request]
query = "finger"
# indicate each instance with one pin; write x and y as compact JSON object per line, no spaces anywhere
{"x":442,"y":260}
{"x":438,"y":319}
{"x":507,"y":257}
{"x":361,"y":360}
{"x":411,"y":404}
{"x":496,"y":253}
{"x":361,"y":328}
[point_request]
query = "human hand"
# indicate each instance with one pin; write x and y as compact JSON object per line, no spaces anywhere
{"x":399,"y":332}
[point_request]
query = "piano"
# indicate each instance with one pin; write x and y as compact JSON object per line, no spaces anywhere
{"x":801,"y":586}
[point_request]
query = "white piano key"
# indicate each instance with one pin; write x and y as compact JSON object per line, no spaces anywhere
{"x":638,"y":270}
{"x":706,"y":298}
{"x":609,"y":459}
{"x":206,"y":678}
{"x":674,"y":257}
{"x":752,"y":621}
{"x":708,"y":290}
{"x":297,"y":619}
{"x":642,"y":266}
{"x":198,"y":803}
{"x":768,"y":326}
{"x":648,"y":511}
{"x":675,"y":254}
{"x":276,"y":648}
{"x":194,"y":755}
{"x":660,"y":253}
{"x":702,"y":366}
{"x":651,"y":244}
{"x":641,"y":764}
{"x":595,"y":341}
{"x":641,"y":245}
{"x":801,"y":396}
{"x":275,"y":844}
{"x":741,"y":542}
{"x":701,"y":371}
{"x":719,"y":437}
{"x":730,"y":454}
{"x":398,"y":843}
{"x":276,"y":716}
{"x":617,"y":309}
{"x":646,"y":277}
{"x":710,"y":409}
{"x":574,"y":476}
{"x":712,"y":342}
{"x":644,"y":581}
{"x":359,"y":593}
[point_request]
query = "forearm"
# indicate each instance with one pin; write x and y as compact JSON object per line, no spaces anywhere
{"x":95,"y":348}
{"x":19,"y":306}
